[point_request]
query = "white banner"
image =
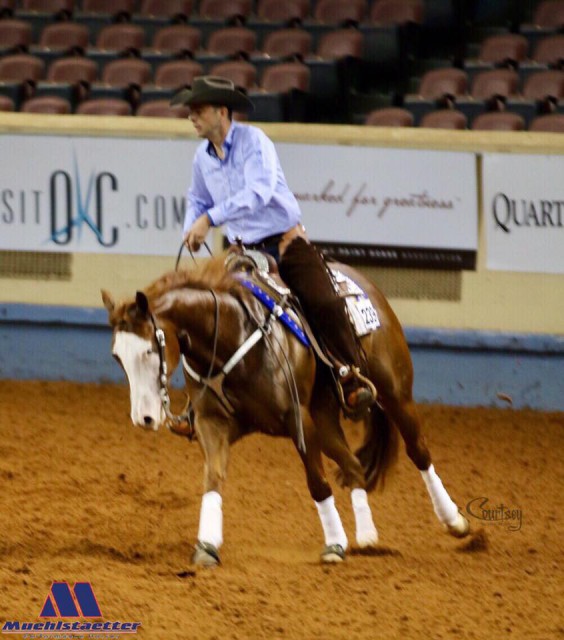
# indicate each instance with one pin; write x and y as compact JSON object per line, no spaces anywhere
{"x":364,"y":195}
{"x":96,"y":195}
{"x":81,"y":194}
{"x":523,"y":204}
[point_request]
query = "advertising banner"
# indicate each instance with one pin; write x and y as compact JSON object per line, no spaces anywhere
{"x":111,"y":195}
{"x":523,"y":204}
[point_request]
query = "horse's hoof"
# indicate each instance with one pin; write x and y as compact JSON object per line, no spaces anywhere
{"x":367,"y":539}
{"x":205,"y":555}
{"x":460,"y":528}
{"x":333,"y":553}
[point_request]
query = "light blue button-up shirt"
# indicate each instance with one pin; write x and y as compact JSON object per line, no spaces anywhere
{"x":246,"y":191}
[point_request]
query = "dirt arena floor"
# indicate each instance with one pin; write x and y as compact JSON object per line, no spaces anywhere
{"x":87,"y":497}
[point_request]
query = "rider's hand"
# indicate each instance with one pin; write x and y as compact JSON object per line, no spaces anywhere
{"x":197,"y":233}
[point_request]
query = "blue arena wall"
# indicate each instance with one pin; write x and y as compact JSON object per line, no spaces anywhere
{"x":461,"y":368}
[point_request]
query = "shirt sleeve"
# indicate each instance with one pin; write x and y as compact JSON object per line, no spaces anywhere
{"x":198,"y":199}
{"x":260,"y":170}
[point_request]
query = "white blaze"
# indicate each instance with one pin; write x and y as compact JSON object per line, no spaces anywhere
{"x":141,"y":366}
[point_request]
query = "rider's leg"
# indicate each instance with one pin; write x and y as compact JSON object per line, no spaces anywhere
{"x":304,"y":271}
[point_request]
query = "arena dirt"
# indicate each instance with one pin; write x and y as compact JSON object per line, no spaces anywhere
{"x":87,"y":497}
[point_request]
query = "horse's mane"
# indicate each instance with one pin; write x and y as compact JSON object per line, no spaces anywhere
{"x":209,"y":274}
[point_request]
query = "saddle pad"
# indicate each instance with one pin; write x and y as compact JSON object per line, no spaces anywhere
{"x":361,"y":310}
{"x":282,"y":315}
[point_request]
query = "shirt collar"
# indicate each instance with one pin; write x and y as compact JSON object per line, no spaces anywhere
{"x":227,"y":143}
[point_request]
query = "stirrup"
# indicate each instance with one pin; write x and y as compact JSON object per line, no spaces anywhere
{"x":367,"y":390}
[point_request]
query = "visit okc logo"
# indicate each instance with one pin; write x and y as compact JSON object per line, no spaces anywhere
{"x":63,"y":602}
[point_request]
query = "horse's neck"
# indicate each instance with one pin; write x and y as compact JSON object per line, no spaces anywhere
{"x":209,"y":317}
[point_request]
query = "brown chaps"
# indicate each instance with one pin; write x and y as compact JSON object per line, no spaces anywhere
{"x":304,"y":270}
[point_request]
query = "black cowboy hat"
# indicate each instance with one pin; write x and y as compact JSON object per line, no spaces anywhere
{"x":213,"y":90}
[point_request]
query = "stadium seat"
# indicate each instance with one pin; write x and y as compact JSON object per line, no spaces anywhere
{"x":389,"y":117}
{"x":544,"y":85}
{"x":227,"y":10}
{"x":550,"y":51}
{"x":177,"y":73}
{"x":498,"y":121}
{"x":161,"y":109}
{"x":437,"y":83}
{"x":122,"y":37}
{"x":549,"y":13}
{"x":21,"y":67}
{"x":503,"y":47}
{"x":60,"y":8}
{"x":47,"y":104}
{"x":67,"y":36}
{"x":73,"y":70}
{"x":285,"y":76}
{"x":104,"y":107}
{"x":173,"y":9}
{"x":397,"y":11}
{"x":551,"y":122}
{"x":288,"y":12}
{"x":6,"y":104}
{"x":15,"y":35}
{"x":232,"y":41}
{"x":494,"y":83}
{"x":242,"y":73}
{"x":178,"y":39}
{"x":340,"y":44}
{"x":444,"y":119}
{"x":127,"y":71}
{"x":338,"y":12}
{"x":116,"y":8}
{"x":284,"y":43}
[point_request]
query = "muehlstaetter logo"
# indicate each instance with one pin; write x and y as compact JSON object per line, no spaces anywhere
{"x":77,"y":603}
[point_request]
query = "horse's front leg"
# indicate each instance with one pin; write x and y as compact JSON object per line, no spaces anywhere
{"x":336,"y":541}
{"x":213,"y":437}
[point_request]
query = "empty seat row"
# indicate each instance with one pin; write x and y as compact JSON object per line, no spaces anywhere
{"x":515,"y":49}
{"x":15,"y":35}
{"x":454,"y":119}
{"x":330,"y":11}
{"x":453,"y":82}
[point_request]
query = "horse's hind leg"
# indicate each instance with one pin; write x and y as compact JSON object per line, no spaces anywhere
{"x":336,"y":541}
{"x":326,"y":414}
{"x":408,"y":422}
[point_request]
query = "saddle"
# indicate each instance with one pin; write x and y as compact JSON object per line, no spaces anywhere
{"x":258,"y":272}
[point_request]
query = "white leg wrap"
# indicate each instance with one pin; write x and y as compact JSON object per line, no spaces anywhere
{"x":331,"y":523}
{"x":366,"y":533}
{"x":211,"y":519}
{"x":445,"y":508}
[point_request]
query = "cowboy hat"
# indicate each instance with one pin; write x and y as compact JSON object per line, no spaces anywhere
{"x":213,"y":90}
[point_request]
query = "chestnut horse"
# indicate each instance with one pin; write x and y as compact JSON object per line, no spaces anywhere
{"x":246,"y":372}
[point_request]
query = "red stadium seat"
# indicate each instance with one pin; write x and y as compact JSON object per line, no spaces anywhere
{"x":161,"y":109}
{"x":444,"y":119}
{"x":104,"y":107}
{"x":15,"y":35}
{"x":340,"y":11}
{"x":397,"y":11}
{"x":504,"y":47}
{"x":68,"y":36}
{"x":121,"y":37}
{"x":177,"y":73}
{"x":232,"y":41}
{"x":167,"y":8}
{"x":498,"y":121}
{"x":229,"y":10}
{"x":496,"y":82}
{"x":283,"y":77}
{"x":550,"y":122}
{"x":284,"y":43}
{"x":288,"y":11}
{"x":340,"y":44}
{"x":47,"y":104}
{"x":178,"y":38}
{"x":389,"y":117}
{"x":242,"y":73}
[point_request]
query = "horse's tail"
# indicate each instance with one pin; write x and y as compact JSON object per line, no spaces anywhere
{"x":379,"y":450}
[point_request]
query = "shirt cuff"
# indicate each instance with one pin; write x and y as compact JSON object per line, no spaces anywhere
{"x":210,"y":219}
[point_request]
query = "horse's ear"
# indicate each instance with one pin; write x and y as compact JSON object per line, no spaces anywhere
{"x":142,"y":303}
{"x":108,"y":300}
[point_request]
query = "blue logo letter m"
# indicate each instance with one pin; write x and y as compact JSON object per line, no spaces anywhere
{"x":64,"y":602}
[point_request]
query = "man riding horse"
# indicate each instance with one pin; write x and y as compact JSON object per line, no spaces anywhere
{"x":237,"y":180}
